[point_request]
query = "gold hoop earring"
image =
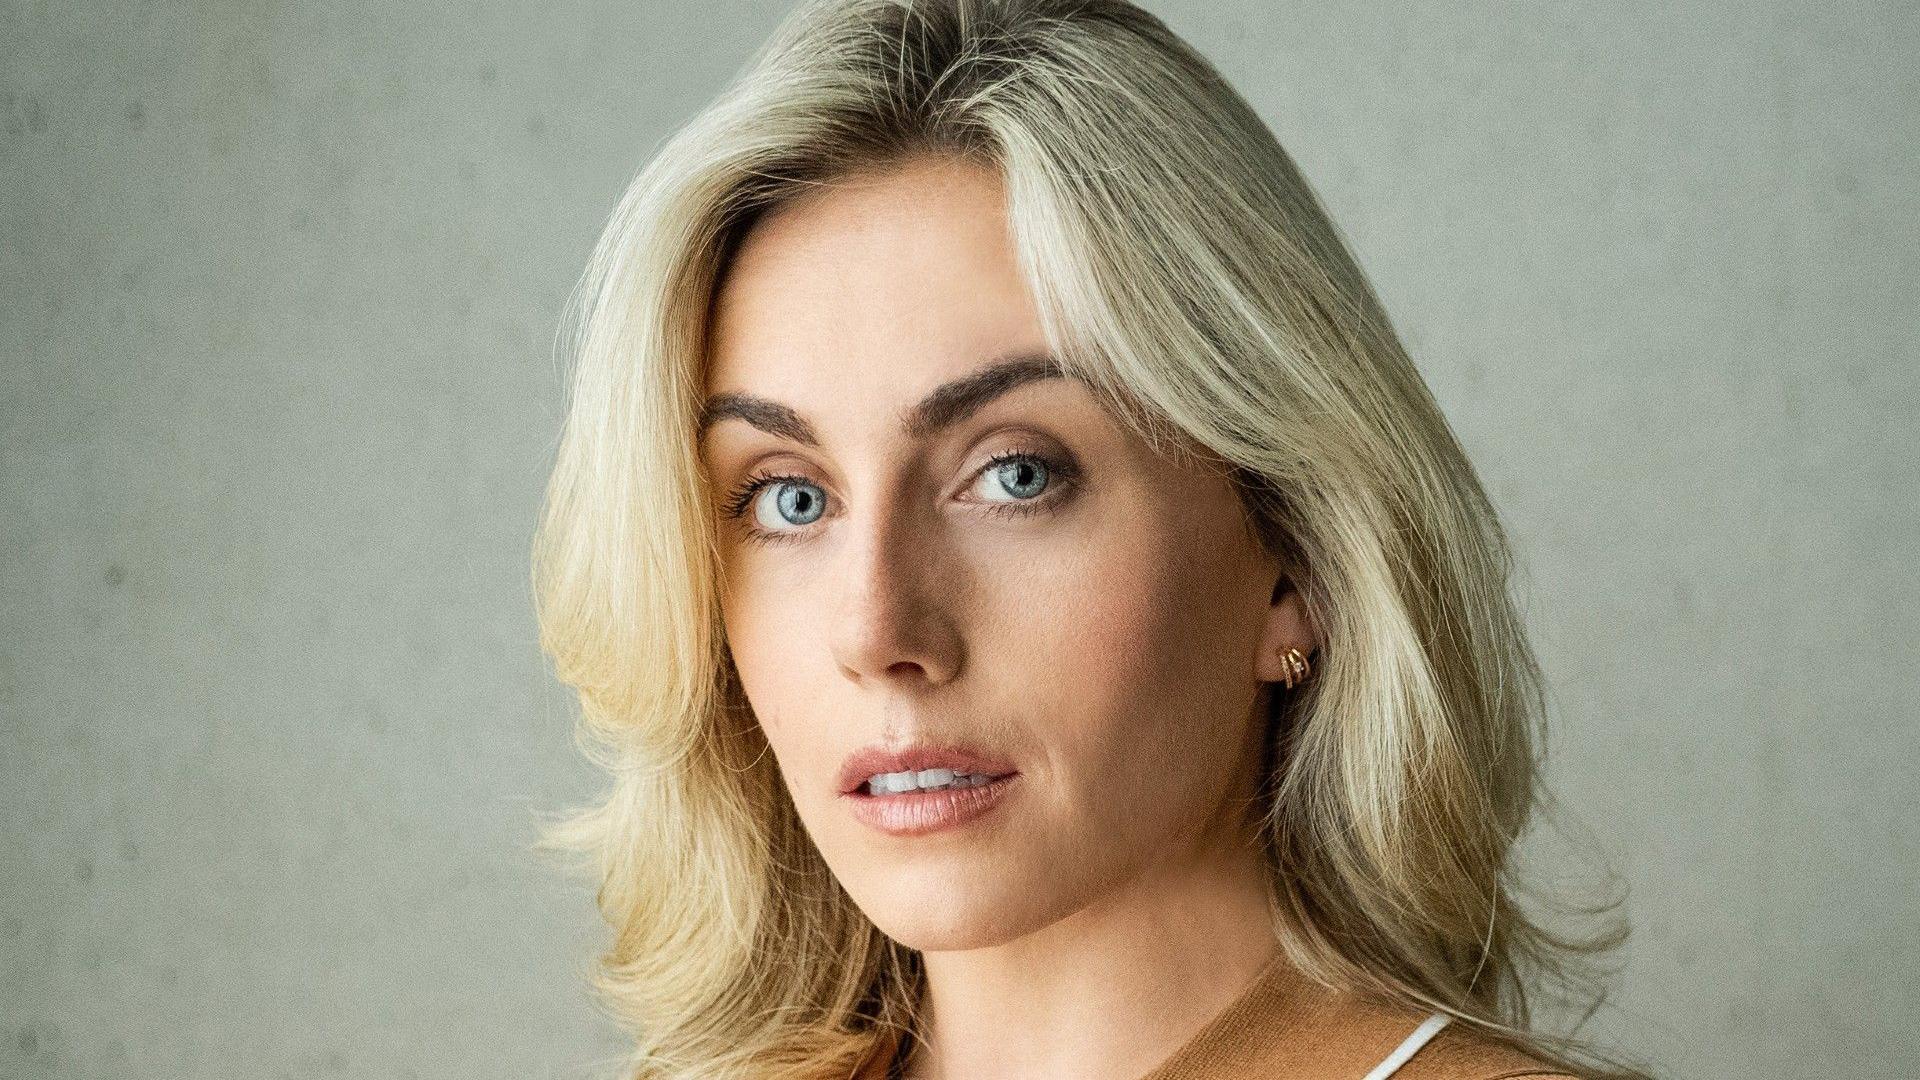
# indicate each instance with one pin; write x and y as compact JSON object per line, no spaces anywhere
{"x":1297,"y":667}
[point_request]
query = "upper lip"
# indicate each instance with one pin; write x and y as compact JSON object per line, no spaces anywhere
{"x":868,"y":762}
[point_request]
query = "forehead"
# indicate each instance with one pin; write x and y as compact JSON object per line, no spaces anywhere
{"x":876,"y":287}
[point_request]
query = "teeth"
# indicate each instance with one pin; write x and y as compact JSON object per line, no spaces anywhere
{"x":924,"y":780}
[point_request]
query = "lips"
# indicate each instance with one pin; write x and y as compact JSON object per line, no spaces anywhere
{"x":863,"y":764}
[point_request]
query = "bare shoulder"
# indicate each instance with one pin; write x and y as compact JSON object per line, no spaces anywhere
{"x":1461,"y":1052}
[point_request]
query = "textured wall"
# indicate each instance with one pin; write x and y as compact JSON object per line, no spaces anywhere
{"x":278,"y":289}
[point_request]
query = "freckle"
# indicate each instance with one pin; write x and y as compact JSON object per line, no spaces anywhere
{"x":116,"y":574}
{"x":83,"y":871}
{"x":29,"y":1042}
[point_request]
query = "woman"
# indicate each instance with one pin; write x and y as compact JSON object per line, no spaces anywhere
{"x":1035,"y":616}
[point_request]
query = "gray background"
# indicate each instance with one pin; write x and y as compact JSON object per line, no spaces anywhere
{"x":280,"y":284}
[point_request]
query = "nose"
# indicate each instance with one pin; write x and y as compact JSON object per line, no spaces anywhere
{"x":897,"y":589}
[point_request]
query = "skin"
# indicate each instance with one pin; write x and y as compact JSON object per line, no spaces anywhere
{"x":1115,"y":643}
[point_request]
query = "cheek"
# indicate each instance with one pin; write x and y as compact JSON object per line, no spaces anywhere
{"x":781,"y":676}
{"x":1143,"y":645}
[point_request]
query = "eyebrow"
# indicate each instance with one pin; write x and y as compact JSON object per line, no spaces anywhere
{"x":947,"y":405}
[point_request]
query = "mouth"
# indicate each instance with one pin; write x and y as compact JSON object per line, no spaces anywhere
{"x":900,"y":784}
{"x":880,"y":772}
{"x":920,"y":810}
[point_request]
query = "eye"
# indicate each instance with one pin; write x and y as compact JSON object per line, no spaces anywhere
{"x":794,"y":502}
{"x":1037,"y":483}
{"x":1024,"y":476}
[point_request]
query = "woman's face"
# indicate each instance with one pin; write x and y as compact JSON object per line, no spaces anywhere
{"x":1085,"y":612}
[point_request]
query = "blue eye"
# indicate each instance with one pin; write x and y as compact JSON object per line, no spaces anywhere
{"x":796,"y":502}
{"x":1021,"y":475}
{"x":1036,"y":482}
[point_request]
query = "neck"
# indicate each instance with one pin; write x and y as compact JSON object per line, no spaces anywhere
{"x":1110,"y":990}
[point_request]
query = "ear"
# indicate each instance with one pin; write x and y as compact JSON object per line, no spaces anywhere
{"x":1288,"y":626}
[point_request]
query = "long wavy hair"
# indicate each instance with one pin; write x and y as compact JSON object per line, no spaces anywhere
{"x":1184,"y":268}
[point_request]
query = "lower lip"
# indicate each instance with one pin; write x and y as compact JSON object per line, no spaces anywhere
{"x":915,"y":813}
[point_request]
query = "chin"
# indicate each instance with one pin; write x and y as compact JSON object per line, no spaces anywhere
{"x":946,"y":911}
{"x":946,"y":931}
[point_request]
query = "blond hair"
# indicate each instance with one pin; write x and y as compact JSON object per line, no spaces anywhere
{"x":1183,"y":268}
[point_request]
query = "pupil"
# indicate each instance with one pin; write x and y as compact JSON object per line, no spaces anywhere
{"x":1026,"y":474}
{"x":797,"y":501}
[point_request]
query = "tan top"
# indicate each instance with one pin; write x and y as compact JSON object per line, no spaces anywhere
{"x":1285,"y":1026}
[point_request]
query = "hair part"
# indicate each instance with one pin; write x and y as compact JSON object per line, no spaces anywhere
{"x":1186,"y":271}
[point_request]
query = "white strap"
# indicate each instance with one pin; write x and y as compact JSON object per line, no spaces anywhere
{"x":1428,"y":1029}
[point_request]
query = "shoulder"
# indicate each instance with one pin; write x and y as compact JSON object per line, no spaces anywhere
{"x":1374,"y":1034}
{"x":1291,"y":1026}
{"x":1462,"y":1052}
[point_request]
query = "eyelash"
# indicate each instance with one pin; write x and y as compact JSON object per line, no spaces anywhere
{"x":1061,"y":472}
